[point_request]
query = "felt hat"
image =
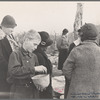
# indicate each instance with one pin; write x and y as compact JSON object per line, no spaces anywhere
{"x":89,"y":31}
{"x":45,"y":39}
{"x":8,"y":22}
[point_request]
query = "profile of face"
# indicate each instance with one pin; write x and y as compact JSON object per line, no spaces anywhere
{"x":30,"y":45}
{"x":7,"y":31}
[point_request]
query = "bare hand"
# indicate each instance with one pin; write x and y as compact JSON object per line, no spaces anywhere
{"x":41,"y":68}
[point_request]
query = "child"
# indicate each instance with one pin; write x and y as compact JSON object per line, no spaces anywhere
{"x":22,"y":65}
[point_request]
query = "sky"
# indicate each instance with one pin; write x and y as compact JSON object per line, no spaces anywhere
{"x":50,"y":16}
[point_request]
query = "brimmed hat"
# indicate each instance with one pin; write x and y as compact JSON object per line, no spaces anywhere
{"x":45,"y":39}
{"x":89,"y":31}
{"x":8,"y":22}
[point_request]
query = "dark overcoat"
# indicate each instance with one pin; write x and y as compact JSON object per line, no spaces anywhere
{"x":43,"y":60}
{"x":5,"y":51}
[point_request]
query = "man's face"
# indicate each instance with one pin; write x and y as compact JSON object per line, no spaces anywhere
{"x":7,"y":31}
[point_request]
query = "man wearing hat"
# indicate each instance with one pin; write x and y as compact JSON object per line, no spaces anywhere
{"x":7,"y":45}
{"x":82,"y":67}
{"x":43,"y":60}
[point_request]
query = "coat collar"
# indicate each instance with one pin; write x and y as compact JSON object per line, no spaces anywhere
{"x":26,"y":53}
{"x":89,"y":41}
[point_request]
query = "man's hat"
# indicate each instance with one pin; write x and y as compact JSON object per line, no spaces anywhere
{"x":89,"y":31}
{"x":8,"y":22}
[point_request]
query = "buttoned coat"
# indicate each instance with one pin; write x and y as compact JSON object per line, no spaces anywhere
{"x":82,"y":67}
{"x":20,"y":69}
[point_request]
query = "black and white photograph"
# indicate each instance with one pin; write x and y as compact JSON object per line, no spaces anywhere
{"x":49,"y":50}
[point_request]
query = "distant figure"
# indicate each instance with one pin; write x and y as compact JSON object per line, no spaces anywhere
{"x":76,"y":42}
{"x":62,"y":45}
{"x":82,"y":67}
{"x":7,"y":45}
{"x":43,"y":60}
{"x":23,"y":64}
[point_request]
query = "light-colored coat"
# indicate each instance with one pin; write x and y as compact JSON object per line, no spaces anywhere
{"x":83,"y":68}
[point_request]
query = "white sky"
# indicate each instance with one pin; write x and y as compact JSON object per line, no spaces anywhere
{"x":50,"y":16}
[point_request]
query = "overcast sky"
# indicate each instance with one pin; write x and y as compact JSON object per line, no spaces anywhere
{"x":51,"y":16}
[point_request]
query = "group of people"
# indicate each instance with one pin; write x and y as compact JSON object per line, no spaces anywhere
{"x":18,"y":63}
{"x":79,"y":62}
{"x":81,"y":67}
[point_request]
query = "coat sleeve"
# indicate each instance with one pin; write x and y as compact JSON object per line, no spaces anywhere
{"x":3,"y":61}
{"x":17,"y":70}
{"x":69,"y":65}
{"x":59,"y":43}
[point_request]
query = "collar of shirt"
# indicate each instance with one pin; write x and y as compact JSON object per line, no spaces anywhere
{"x":26,"y":53}
{"x":77,"y":42}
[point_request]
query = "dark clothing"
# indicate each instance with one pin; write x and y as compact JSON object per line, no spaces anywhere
{"x":63,"y":54}
{"x":5,"y":51}
{"x":72,"y":45}
{"x":20,"y":69}
{"x":43,"y":60}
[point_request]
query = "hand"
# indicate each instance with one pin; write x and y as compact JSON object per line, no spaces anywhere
{"x":41,"y":68}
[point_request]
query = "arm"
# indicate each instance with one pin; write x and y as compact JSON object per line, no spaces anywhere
{"x":44,"y":62}
{"x":17,"y":70}
{"x":69,"y":65}
{"x":59,"y":43}
{"x":3,"y":61}
{"x":72,"y":45}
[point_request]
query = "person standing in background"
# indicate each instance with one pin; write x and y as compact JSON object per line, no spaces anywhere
{"x":7,"y":45}
{"x":43,"y":60}
{"x":62,"y":45}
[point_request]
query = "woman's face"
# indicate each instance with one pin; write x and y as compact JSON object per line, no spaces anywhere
{"x":7,"y":31}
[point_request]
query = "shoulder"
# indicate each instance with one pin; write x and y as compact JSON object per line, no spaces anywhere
{"x":75,"y":49}
{"x":34,"y":55}
{"x":39,"y":55}
{"x":2,"y":34}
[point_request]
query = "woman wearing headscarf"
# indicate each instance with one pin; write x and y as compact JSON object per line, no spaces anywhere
{"x":43,"y":60}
